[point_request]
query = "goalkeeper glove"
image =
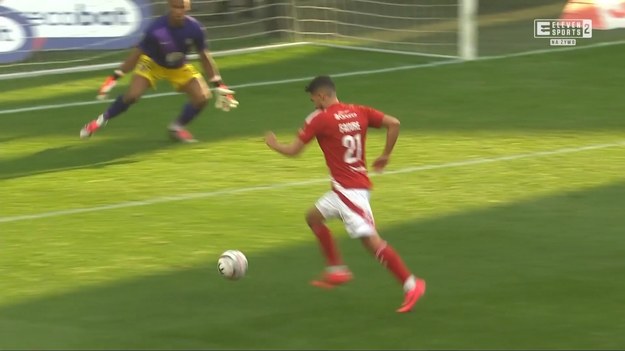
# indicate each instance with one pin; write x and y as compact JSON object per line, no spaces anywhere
{"x":109,"y":83}
{"x":224,"y":97}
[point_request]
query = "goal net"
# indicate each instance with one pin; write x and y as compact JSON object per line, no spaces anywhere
{"x":427,"y":27}
{"x":72,"y":35}
{"x":90,"y":34}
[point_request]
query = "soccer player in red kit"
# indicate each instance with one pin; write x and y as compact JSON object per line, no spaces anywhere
{"x":341,"y":131}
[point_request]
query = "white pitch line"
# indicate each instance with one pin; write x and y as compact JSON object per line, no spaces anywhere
{"x":246,"y":85}
{"x":202,"y":195}
{"x":346,"y":74}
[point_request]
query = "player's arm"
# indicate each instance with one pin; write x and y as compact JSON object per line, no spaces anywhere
{"x":293,"y":149}
{"x":128,"y":65}
{"x":209,"y":65}
{"x":206,"y":59}
{"x":131,"y":61}
{"x":225,"y":97}
{"x":392,"y":133}
{"x":312,"y":127}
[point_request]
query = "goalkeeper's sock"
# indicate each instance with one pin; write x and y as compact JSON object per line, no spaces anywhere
{"x":328,"y":247}
{"x":100,"y":121}
{"x":189,"y":112}
{"x":117,"y":107}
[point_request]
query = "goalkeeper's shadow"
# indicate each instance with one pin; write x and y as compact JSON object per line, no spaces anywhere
{"x":98,"y":154}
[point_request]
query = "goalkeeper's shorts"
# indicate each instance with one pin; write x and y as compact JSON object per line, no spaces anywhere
{"x":154,"y":72}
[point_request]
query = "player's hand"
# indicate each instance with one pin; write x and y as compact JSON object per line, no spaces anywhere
{"x":109,"y":83}
{"x":271,"y":140}
{"x":224,"y":97}
{"x":380,"y":163}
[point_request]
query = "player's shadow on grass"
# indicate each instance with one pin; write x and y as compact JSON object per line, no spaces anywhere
{"x":86,"y":155}
{"x":9,"y":138}
{"x":542,"y":273}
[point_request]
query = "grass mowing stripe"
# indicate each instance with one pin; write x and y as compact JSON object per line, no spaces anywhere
{"x":346,"y":74}
{"x":245,"y":85}
{"x":164,"y":199}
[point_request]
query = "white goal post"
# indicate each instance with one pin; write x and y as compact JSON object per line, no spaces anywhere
{"x":467,"y":31}
{"x":443,"y":29}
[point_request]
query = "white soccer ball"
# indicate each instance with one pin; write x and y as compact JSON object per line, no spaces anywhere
{"x":232,"y":264}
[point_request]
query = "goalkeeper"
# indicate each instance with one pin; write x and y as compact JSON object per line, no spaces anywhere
{"x":161,"y":54}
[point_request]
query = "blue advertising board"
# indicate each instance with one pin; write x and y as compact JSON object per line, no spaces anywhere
{"x":16,"y":36}
{"x":70,"y":25}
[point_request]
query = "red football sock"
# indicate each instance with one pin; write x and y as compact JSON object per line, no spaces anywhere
{"x":391,"y":260}
{"x":327,"y":244}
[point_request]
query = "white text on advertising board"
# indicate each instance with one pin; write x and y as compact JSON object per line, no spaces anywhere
{"x":79,"y":18}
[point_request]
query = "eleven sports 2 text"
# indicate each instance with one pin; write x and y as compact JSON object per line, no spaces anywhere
{"x":573,"y":28}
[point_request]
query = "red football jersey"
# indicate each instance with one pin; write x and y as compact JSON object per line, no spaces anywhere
{"x":341,"y":130}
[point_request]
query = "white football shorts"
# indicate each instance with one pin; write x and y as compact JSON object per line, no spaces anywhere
{"x":352,"y":207}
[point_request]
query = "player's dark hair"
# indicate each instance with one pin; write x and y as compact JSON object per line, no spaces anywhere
{"x":320,"y":82}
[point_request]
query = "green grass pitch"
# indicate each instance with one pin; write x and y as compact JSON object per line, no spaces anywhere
{"x":506,"y":192}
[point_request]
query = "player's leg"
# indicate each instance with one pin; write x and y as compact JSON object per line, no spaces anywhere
{"x":336,"y":272}
{"x":189,"y":80}
{"x":140,"y":82}
{"x":359,"y":223}
{"x":389,"y":258}
{"x":414,"y":288}
{"x":316,"y":222}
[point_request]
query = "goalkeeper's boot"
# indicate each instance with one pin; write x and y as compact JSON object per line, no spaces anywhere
{"x":92,"y":126}
{"x":412,"y":296}
{"x":333,"y":276}
{"x":179,"y":133}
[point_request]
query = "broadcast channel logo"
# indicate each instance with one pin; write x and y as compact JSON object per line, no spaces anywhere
{"x":562,"y":32}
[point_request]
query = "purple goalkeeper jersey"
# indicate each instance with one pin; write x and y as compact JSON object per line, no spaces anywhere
{"x":168,"y":46}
